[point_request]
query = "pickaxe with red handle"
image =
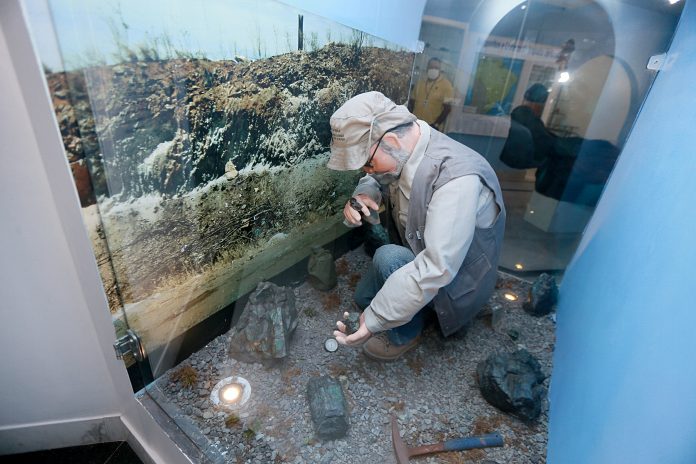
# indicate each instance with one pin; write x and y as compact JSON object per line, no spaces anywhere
{"x":404,"y":453}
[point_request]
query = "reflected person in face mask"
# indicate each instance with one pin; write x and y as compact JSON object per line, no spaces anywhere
{"x":432,"y":96}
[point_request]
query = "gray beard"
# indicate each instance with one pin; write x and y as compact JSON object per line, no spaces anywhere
{"x":400,"y":156}
{"x":386,"y":178}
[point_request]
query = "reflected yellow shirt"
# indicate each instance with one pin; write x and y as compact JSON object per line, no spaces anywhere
{"x":429,"y":98}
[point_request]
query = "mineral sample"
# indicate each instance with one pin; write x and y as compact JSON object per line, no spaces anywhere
{"x":543,"y":296}
{"x":321,"y":269}
{"x":351,"y":321}
{"x":328,"y":408}
{"x":512,"y":383}
{"x":266,"y":325}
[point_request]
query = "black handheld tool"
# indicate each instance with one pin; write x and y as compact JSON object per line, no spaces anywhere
{"x":372,"y":218}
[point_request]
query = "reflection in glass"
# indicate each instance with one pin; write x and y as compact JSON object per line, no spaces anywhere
{"x":197,"y":134}
{"x":547,"y":91}
{"x":198,"y":145}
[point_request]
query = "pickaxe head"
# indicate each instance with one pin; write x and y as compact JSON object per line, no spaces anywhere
{"x":400,"y":448}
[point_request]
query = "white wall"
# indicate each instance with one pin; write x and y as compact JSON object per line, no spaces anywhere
{"x":50,"y":344}
{"x":624,"y":379}
{"x":60,"y":385}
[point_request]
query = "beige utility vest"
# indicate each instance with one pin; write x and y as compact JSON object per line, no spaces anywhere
{"x":444,"y":159}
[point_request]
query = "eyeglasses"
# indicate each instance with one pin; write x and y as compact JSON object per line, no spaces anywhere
{"x":368,"y":164}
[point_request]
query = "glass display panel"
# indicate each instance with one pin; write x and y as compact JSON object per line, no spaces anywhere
{"x":547,"y":91}
{"x":197,"y":135}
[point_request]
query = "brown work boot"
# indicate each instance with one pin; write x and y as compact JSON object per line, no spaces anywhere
{"x":381,"y":348}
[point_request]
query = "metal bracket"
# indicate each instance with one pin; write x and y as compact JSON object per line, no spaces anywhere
{"x":129,"y":344}
{"x":656,"y":62}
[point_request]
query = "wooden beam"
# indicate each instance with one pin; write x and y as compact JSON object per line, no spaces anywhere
{"x":163,"y":316}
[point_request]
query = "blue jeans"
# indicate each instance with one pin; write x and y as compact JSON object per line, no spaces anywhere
{"x":387,"y":259}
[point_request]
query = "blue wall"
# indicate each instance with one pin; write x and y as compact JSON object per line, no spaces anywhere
{"x":623,"y":388}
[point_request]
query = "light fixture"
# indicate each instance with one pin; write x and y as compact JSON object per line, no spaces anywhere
{"x":231,"y":393}
{"x":564,"y":77}
{"x":523,"y":7}
{"x":510,"y":296}
{"x":519,"y":266}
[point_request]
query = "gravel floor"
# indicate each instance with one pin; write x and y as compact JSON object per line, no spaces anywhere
{"x":432,"y":390}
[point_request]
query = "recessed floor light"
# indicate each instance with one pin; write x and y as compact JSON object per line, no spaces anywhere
{"x":231,"y":393}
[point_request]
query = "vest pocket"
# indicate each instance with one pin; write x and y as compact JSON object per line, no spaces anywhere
{"x":468,"y":277}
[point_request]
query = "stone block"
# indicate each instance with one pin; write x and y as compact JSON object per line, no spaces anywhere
{"x":328,"y":407}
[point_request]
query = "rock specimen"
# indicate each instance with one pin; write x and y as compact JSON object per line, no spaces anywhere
{"x":352,"y":322}
{"x":512,"y":383}
{"x":328,"y":408}
{"x":266,"y":325}
{"x":543,"y":296}
{"x":321,"y":269}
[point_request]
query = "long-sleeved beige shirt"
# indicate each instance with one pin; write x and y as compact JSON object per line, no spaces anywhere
{"x":454,"y":212}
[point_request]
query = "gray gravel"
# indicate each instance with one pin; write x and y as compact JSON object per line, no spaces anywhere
{"x":432,"y":390}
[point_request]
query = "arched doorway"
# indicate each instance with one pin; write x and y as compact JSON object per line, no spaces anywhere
{"x":588,"y":70}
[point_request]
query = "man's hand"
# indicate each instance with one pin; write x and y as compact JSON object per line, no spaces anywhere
{"x":362,"y":335}
{"x":352,"y":216}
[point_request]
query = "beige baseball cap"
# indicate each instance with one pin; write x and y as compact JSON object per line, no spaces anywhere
{"x":359,"y":123}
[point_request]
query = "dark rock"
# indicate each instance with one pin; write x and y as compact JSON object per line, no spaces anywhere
{"x":512,"y":383}
{"x":543,"y":296}
{"x":328,"y":408}
{"x":321,"y":269}
{"x":352,"y":322}
{"x":266,"y":325}
{"x":375,"y":237}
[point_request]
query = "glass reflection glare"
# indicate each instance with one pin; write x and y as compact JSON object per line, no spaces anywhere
{"x":231,"y":393}
{"x":564,"y":77}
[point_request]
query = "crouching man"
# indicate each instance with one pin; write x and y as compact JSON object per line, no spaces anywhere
{"x":446,"y":204}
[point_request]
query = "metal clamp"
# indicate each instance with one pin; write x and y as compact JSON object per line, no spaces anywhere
{"x":656,"y":62}
{"x":129,"y":344}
